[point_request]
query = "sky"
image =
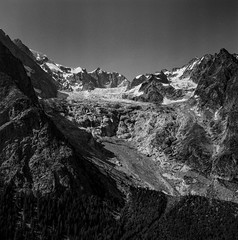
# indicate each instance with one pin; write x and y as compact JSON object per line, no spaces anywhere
{"x":131,"y":37}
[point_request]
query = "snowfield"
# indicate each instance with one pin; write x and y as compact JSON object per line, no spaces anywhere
{"x":167,"y":101}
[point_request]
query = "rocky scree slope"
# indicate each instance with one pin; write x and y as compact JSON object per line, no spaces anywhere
{"x":34,"y":155}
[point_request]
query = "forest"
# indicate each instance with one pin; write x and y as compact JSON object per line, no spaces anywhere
{"x":146,"y":214}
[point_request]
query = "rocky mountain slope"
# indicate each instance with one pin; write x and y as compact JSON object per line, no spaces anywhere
{"x":34,"y":154}
{"x":43,"y":84}
{"x":188,"y":118}
{"x":101,"y":147}
{"x":70,"y":79}
{"x":186,"y":123}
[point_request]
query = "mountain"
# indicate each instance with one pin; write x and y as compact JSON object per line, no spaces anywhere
{"x":35,"y":155}
{"x":204,"y":90}
{"x":152,"y":88}
{"x":200,"y":106}
{"x":108,"y":79}
{"x":165,"y":85}
{"x":78,"y":78}
{"x":155,"y":157}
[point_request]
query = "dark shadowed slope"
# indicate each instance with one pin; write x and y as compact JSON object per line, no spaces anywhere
{"x":33,"y":153}
{"x":43,"y":84}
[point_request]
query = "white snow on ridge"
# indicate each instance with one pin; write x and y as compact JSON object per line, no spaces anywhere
{"x":135,"y":91}
{"x":66,"y":75}
{"x":185,"y":83}
{"x":169,"y":101}
{"x":165,"y":84}
{"x":137,"y":77}
{"x":76,"y":70}
{"x":53,"y":67}
{"x":196,"y":62}
{"x":93,"y":71}
{"x":199,"y":61}
{"x":179,"y":72}
{"x":192,"y":65}
{"x":167,"y":72}
{"x":182,"y":83}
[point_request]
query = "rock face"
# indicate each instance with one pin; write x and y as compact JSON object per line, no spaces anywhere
{"x":205,"y":129}
{"x":23,"y":48}
{"x":216,"y":97}
{"x":154,"y":88}
{"x":108,"y":79}
{"x":43,"y":84}
{"x":33,"y":152}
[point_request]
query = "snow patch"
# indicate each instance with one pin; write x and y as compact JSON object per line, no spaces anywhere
{"x":216,"y":115}
{"x":179,"y":72}
{"x":193,"y":64}
{"x":137,"y":77}
{"x":135,"y":91}
{"x":184,"y":83}
{"x":37,"y":90}
{"x":165,"y":84}
{"x":53,"y":67}
{"x":76,"y":70}
{"x":29,"y":71}
{"x":167,"y":72}
{"x":170,"y":101}
{"x":93,"y":71}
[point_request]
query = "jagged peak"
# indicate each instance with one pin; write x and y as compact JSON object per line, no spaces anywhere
{"x":223,"y":51}
{"x":2,"y":32}
{"x":224,"y":54}
{"x":17,"y":40}
{"x":98,"y":69}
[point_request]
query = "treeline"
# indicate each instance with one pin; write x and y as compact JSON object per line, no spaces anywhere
{"x":75,"y":216}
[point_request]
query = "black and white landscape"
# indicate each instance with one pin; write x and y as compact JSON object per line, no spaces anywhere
{"x":92,"y":154}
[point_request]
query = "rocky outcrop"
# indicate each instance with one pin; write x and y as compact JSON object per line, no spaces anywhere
{"x":137,"y":81}
{"x":108,"y":79}
{"x":24,"y":48}
{"x":153,"y":88}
